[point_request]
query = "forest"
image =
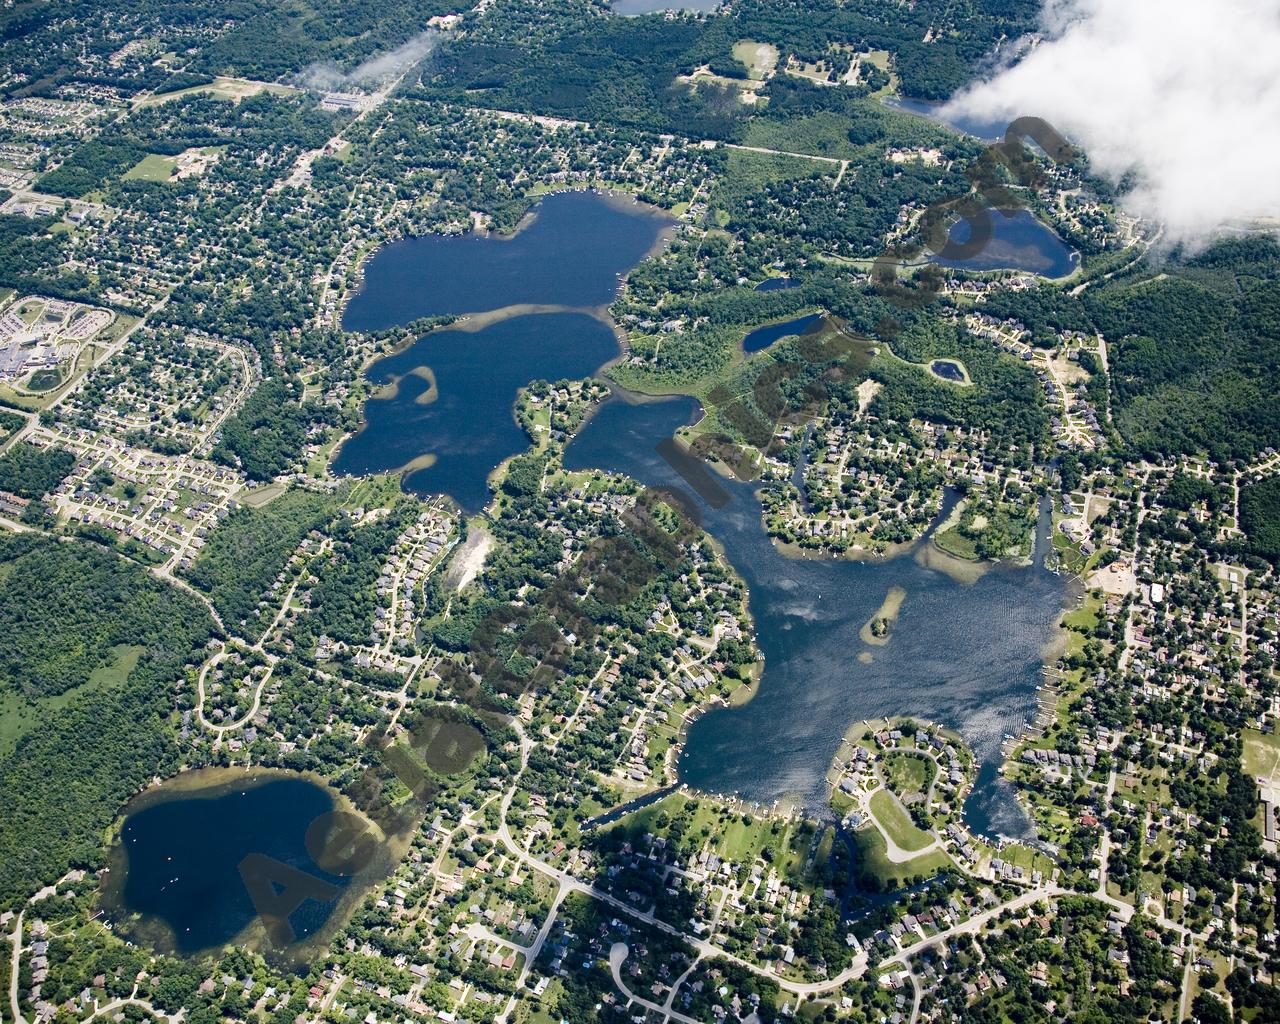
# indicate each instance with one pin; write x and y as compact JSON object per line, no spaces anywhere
{"x":1260,"y":517}
{"x":1195,"y":356}
{"x":31,"y":259}
{"x":253,"y":123}
{"x":576,"y":62}
{"x":1193,"y":344}
{"x":249,"y":38}
{"x":63,"y":606}
{"x":1004,"y":400}
{"x":343,"y":599}
{"x":91,"y":166}
{"x":32,"y":472}
{"x":249,"y":550}
{"x":265,"y":437}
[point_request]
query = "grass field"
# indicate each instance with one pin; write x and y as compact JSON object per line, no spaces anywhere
{"x":896,"y":822}
{"x":234,"y":89}
{"x":873,"y":862}
{"x":740,"y":838}
{"x":760,"y":58}
{"x":823,"y":134}
{"x":908,"y":773}
{"x":381,"y":491}
{"x":152,"y":167}
{"x":259,"y":496}
{"x":953,"y":542}
{"x":1027,"y":859}
{"x":18,"y":715}
{"x":747,"y":172}
{"x":1262,"y":755}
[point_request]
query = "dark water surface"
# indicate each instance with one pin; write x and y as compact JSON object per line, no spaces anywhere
{"x":570,"y":254}
{"x":1019,"y":241}
{"x":763,"y":337}
{"x":774,"y":284}
{"x":450,"y":438}
{"x":966,"y":655}
{"x":469,"y":428}
{"x":183,"y":854}
{"x":947,"y":370}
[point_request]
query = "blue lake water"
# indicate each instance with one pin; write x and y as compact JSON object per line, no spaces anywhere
{"x":182,"y":857}
{"x":774,"y":284}
{"x":966,"y":655}
{"x":571,"y":253}
{"x":470,"y":427}
{"x":763,"y":337}
{"x":985,"y":128}
{"x":1019,"y":241}
{"x":569,"y":256}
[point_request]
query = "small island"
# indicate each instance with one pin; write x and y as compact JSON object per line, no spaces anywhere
{"x":876,"y":631}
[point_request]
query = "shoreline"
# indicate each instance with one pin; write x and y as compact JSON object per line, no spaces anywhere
{"x":476,"y":321}
{"x":212,"y":783}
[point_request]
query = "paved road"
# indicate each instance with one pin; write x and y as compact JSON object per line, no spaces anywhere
{"x":14,"y":966}
{"x":975,"y":923}
{"x":617,"y":954}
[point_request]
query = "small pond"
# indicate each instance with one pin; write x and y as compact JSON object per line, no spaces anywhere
{"x":762,"y":337}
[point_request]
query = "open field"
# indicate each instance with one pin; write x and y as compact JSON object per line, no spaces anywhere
{"x":760,"y":58}
{"x":152,"y":167}
{"x":953,"y":542}
{"x":873,"y":862}
{"x":1262,"y":755}
{"x":223,"y":88}
{"x":259,"y":496}
{"x":909,"y":773}
{"x":18,"y":715}
{"x":893,"y":818}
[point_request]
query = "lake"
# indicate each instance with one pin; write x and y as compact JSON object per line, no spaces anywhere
{"x":444,"y":415}
{"x":763,"y":337}
{"x":947,"y":370}
{"x":570,"y":251}
{"x":178,"y":861}
{"x":774,"y":284}
{"x":968,"y":655}
{"x":1019,"y":241}
{"x":459,"y":436}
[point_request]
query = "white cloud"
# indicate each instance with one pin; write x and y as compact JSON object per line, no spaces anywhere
{"x":1184,"y":95}
{"x":327,"y":77}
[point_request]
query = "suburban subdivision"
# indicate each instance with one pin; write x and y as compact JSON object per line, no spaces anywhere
{"x":553,"y":511}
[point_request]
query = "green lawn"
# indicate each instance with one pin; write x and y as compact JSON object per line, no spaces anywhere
{"x":18,"y":715}
{"x":760,"y":58}
{"x":908,"y":773}
{"x":1027,"y":858}
{"x":897,"y":823}
{"x":873,"y":862}
{"x":1262,"y":754}
{"x":152,"y":167}
{"x":953,"y":542}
